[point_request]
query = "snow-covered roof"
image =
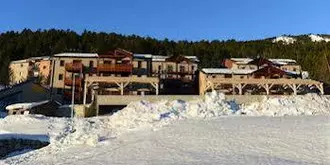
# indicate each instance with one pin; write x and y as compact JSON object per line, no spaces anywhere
{"x":159,"y":58}
{"x":19,"y":61}
{"x":193,"y":58}
{"x":283,"y":61}
{"x":79,"y":55}
{"x":25,"y":105}
{"x":241,"y":60}
{"x":142,"y":55}
{"x":275,"y":60}
{"x":227,"y":71}
{"x":40,"y":58}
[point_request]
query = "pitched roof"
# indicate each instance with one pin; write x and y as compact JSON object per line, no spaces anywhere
{"x":260,"y":61}
{"x":227,"y":71}
{"x":78,"y":55}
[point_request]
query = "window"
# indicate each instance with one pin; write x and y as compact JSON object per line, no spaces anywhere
{"x":228,"y":76}
{"x":44,"y":67}
{"x":159,"y":68}
{"x":182,"y":69}
{"x":170,"y":68}
{"x":107,"y":62}
{"x":59,"y":91}
{"x":294,"y":69}
{"x":62,"y":63}
{"x":60,"y":77}
{"x":22,"y":65}
{"x":91,"y":64}
{"x":192,"y":68}
{"x":139,"y":64}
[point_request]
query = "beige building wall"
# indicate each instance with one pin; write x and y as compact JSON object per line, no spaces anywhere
{"x":143,"y":64}
{"x":292,"y":68}
{"x":20,"y":71}
{"x":60,"y":72}
{"x":44,"y":67}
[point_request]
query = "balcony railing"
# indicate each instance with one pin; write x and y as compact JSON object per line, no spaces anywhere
{"x":117,"y":68}
{"x":68,"y":81}
{"x":68,"y":95}
{"x":73,"y":67}
{"x":174,"y":72}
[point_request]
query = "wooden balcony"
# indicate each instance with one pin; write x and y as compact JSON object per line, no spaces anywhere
{"x":115,"y":68}
{"x":68,"y":81}
{"x":68,"y":95}
{"x":74,"y":67}
{"x":180,"y":72}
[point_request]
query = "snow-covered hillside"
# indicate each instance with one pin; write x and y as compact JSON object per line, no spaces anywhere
{"x":284,"y":39}
{"x":209,"y":131}
{"x":317,"y":38}
{"x":291,"y":40}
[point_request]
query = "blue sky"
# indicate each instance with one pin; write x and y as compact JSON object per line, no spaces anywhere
{"x":173,"y":19}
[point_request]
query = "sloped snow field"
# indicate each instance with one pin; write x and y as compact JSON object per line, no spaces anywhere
{"x":281,"y":130}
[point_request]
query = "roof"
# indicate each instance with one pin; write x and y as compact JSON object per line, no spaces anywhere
{"x":159,"y":58}
{"x":260,"y":61}
{"x":78,"y":55}
{"x":40,"y":58}
{"x":177,"y":59}
{"x":142,"y":55}
{"x":269,"y":71}
{"x":274,"y":60}
{"x":227,"y":71}
{"x":20,"y":61}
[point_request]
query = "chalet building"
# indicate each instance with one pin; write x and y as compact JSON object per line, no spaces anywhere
{"x":253,"y":64}
{"x":71,"y":69}
{"x":23,"y":70}
{"x":256,"y":76}
{"x":177,"y":74}
{"x":80,"y":69}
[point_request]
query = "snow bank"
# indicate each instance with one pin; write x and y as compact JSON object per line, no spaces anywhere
{"x":65,"y":132}
{"x":310,"y":104}
{"x":25,"y":105}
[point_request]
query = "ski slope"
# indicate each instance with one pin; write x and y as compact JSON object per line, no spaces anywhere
{"x":290,"y":130}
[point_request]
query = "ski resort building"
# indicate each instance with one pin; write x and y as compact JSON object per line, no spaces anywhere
{"x":120,"y":73}
{"x":257,"y":76}
{"x":34,"y":67}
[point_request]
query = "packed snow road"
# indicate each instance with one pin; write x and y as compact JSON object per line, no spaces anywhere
{"x":226,"y":140}
{"x":283,"y":130}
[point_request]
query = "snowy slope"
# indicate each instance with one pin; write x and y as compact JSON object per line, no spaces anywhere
{"x":317,"y":38}
{"x":285,"y":39}
{"x":111,"y":138}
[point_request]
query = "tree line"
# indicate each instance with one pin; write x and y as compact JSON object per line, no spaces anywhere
{"x":313,"y":56}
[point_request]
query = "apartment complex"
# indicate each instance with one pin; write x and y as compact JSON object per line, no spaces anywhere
{"x":255,"y":76}
{"x":72,"y":69}
{"x":34,"y":67}
{"x":253,"y":64}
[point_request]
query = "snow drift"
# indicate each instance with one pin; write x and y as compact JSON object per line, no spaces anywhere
{"x":65,"y":132}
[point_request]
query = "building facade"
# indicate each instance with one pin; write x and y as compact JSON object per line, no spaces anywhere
{"x":34,"y":67}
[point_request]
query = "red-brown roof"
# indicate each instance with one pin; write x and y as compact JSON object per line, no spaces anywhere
{"x":269,"y":71}
{"x":177,"y":59}
{"x":260,"y":62}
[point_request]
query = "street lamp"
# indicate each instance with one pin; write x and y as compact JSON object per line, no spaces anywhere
{"x":73,"y":92}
